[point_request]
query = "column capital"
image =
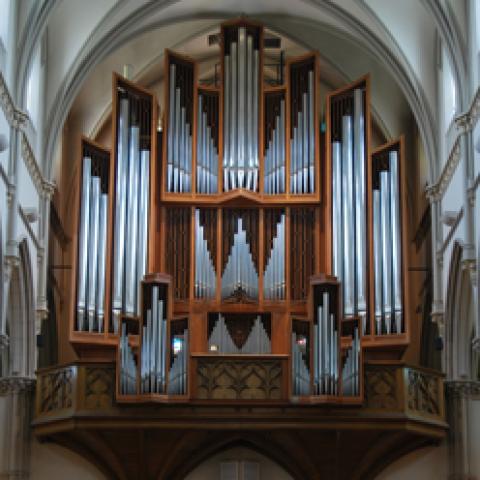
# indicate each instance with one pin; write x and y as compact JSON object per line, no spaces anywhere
{"x":16,"y":385}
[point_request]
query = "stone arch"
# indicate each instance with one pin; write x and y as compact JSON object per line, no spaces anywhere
{"x":18,"y":358}
{"x":459,"y":318}
{"x":101,"y":43}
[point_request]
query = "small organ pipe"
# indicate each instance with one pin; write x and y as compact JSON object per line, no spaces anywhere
{"x":93,"y":250}
{"x":102,"y":260}
{"x":386,"y":248}
{"x":377,"y":248}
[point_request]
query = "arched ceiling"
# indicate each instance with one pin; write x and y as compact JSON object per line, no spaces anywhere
{"x":395,"y":41}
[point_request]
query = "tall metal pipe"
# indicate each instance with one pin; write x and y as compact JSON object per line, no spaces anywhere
{"x":337,"y":220}
{"x":120,"y":211}
{"x":93,"y":250}
{"x":311,"y":130}
{"x":377,"y":257}
{"x":171,"y":127}
{"x":102,"y":257}
{"x":348,"y":216}
{"x":386,"y":247}
{"x":396,"y":241}
{"x":360,"y":216}
{"x":83,"y":244}
{"x":132,"y":223}
{"x":226,"y":122}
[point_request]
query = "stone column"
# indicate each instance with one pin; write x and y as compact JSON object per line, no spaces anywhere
{"x":17,"y":392}
{"x":458,"y":395}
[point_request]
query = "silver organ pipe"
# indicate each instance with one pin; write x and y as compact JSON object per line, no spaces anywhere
{"x":178,"y":373}
{"x":337,"y":210}
{"x":102,"y":260}
{"x":351,"y":368}
{"x":83,"y":244}
{"x":226,"y":121}
{"x":131,"y":214}
{"x":274,"y":170}
{"x":132,"y":223}
{"x":302,"y":142}
{"x":120,"y":211}
{"x":92,"y":252}
{"x":205,"y":276}
{"x":257,"y":341}
{"x":274,"y":276}
{"x":128,"y":366}
{"x":360,"y":215}
{"x":179,"y":137}
{"x":377,"y":245}
{"x":240,"y":273}
{"x":349,"y":240}
{"x":220,"y":339}
{"x":348,"y":216}
{"x":388,"y":250}
{"x":154,"y":347}
{"x":386,"y":227}
{"x":325,"y":350}
{"x":396,"y":241}
{"x":207,"y":153}
{"x":241,"y":79}
{"x":300,"y":369}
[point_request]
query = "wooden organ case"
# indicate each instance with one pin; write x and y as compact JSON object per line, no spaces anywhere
{"x":251,"y":255}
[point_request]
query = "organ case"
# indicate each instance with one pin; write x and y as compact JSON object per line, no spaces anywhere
{"x":250,"y":220}
{"x":89,"y":314}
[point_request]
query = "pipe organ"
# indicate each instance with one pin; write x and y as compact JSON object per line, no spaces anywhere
{"x":242,"y":89}
{"x":180,"y":124}
{"x":92,"y":242}
{"x":132,"y":198}
{"x":242,"y":232}
{"x":387,"y":240}
{"x":349,"y":252}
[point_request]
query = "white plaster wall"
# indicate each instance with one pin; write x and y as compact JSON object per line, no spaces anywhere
{"x":210,"y":469}
{"x":71,"y":24}
{"x":425,"y":464}
{"x":50,"y":461}
{"x":5,"y":9}
{"x":414,"y":31}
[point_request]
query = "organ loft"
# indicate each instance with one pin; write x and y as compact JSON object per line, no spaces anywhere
{"x":240,"y":275}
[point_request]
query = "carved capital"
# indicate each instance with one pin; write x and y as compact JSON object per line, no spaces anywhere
{"x":16,"y":385}
{"x":437,"y":315}
{"x":467,"y":121}
{"x":4,"y":341}
{"x":476,"y":343}
{"x":456,"y":389}
{"x":431,"y":192}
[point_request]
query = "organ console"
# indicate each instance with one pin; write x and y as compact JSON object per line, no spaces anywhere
{"x":249,"y":234}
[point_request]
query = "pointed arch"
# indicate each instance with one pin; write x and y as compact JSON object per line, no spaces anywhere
{"x":19,"y":358}
{"x":459,"y":318}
